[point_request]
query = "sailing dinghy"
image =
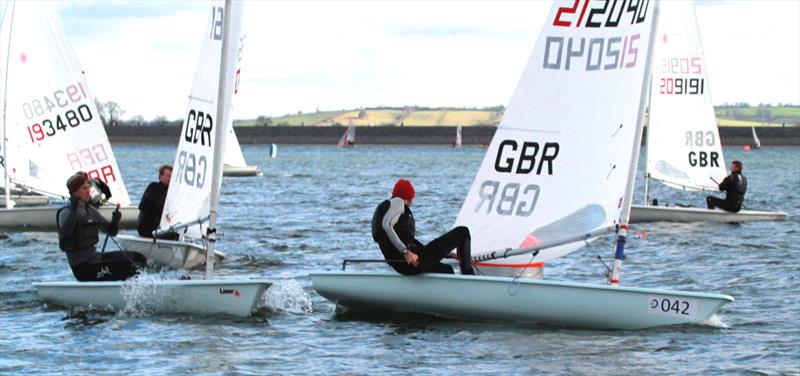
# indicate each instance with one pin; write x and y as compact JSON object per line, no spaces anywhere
{"x":51,"y":126}
{"x":559,"y":171}
{"x":348,"y":139}
{"x":756,"y":141}
{"x":235,"y":164}
{"x":457,"y":141}
{"x":198,"y":166}
{"x":683,"y":145}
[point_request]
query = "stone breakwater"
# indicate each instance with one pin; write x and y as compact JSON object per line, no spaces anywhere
{"x":408,"y":135}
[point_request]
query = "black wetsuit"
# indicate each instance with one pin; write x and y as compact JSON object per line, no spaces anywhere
{"x":150,"y":209}
{"x":394,"y":230}
{"x":78,"y":237}
{"x":735,"y":186}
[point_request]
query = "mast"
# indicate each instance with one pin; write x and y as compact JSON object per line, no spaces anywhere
{"x":6,"y":178}
{"x":222,"y":117}
{"x":627,"y":199}
{"x":646,"y":197}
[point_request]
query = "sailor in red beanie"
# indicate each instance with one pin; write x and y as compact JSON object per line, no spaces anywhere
{"x":394,"y":230}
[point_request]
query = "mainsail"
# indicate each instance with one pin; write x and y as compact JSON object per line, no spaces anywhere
{"x":52,"y":125}
{"x":348,"y":138}
{"x":189,"y":195}
{"x":233,"y":152}
{"x":572,"y":120}
{"x":756,"y":141}
{"x":683,"y":145}
{"x":457,"y":141}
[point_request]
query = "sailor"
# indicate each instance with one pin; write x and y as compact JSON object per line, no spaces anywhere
{"x":394,"y":230}
{"x":78,"y":223}
{"x":151,"y":206}
{"x":734,"y":185}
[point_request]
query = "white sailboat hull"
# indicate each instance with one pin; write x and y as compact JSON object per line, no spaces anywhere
{"x":201,"y":297}
{"x":241,"y":171}
{"x":25,"y":200}
{"x":168,"y":253}
{"x":497,"y":298}
{"x":44,"y":218}
{"x":644,"y":214}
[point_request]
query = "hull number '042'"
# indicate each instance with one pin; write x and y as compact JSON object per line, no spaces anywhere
{"x":672,"y":306}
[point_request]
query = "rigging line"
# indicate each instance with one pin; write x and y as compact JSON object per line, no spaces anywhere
{"x":555,"y":132}
{"x":5,"y":99}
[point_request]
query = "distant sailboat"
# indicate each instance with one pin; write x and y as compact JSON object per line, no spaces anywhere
{"x":756,"y":141}
{"x":209,"y":104}
{"x":235,"y":164}
{"x":273,"y":151}
{"x":348,"y":139}
{"x":683,"y":145}
{"x":51,"y":126}
{"x":457,"y":141}
{"x":566,"y":128}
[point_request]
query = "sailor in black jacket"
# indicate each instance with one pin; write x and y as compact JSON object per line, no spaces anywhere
{"x":151,"y":206}
{"x":78,"y":223}
{"x":734,"y":185}
{"x":394,"y":230}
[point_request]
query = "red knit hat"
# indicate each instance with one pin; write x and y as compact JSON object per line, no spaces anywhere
{"x":403,"y":189}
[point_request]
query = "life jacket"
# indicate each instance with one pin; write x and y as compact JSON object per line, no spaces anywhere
{"x":84,"y":235}
{"x":405,"y":226}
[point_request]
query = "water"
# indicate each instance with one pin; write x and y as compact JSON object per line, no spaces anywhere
{"x":312,"y":208}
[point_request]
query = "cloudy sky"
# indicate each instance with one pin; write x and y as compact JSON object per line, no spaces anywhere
{"x":303,"y":55}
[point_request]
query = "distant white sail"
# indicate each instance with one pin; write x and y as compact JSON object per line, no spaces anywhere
{"x":348,"y":138}
{"x":457,"y":142}
{"x":189,"y":192}
{"x":756,"y":141}
{"x":558,"y":163}
{"x":52,"y":123}
{"x":683,"y":148}
{"x":233,"y":152}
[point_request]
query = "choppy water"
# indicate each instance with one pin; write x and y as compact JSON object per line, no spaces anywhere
{"x":311,"y":209}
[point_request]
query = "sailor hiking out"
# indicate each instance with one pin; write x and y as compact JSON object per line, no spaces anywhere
{"x":735,"y":186}
{"x":394,"y":230}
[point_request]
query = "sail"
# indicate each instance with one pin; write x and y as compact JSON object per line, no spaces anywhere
{"x":457,"y":142}
{"x":559,"y":161}
{"x":348,"y":138}
{"x":683,"y":148}
{"x":756,"y":141}
{"x":189,"y":194}
{"x":52,"y":126}
{"x":233,"y":152}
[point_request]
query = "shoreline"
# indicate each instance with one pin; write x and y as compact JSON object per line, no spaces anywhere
{"x":408,"y":135}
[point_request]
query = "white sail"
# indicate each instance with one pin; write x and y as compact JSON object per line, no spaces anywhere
{"x":457,"y":142}
{"x":52,"y":125}
{"x":756,"y":141}
{"x":683,"y":148}
{"x":558,"y":164}
{"x":348,"y":138}
{"x":189,"y":195}
{"x":233,"y":152}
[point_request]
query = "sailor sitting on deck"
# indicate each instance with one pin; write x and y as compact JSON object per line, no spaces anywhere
{"x":734,"y":185}
{"x":393,"y":229}
{"x":77,"y":236}
{"x":151,"y":206}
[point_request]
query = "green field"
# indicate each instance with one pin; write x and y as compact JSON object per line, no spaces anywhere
{"x":737,"y":116}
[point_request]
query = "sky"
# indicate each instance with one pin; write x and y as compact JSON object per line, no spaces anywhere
{"x":332,"y":55}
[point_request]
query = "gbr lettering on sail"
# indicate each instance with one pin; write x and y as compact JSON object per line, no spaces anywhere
{"x":539,"y":157}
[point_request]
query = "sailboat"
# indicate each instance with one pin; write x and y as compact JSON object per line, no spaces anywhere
{"x":51,"y":126}
{"x":575,"y":120}
{"x":457,"y":141}
{"x":348,"y":139}
{"x":683,"y":144}
{"x":756,"y":141}
{"x":235,"y":164}
{"x":198,"y":176}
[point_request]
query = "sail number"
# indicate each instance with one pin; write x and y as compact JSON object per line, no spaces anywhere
{"x":672,"y":306}
{"x":61,"y":98}
{"x":601,"y":16}
{"x":680,"y":85}
{"x":50,"y":127}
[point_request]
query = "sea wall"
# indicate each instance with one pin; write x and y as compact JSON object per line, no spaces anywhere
{"x":393,"y":135}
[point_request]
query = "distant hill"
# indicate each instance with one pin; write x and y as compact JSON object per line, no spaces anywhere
{"x":727,"y":115}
